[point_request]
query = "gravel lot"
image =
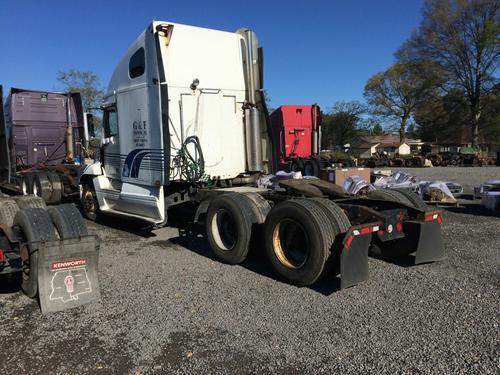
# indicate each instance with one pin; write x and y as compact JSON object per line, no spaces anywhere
{"x":168,"y":307}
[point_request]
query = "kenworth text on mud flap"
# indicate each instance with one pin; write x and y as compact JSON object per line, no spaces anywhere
{"x":185,"y":123}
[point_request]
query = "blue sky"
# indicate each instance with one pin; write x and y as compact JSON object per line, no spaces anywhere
{"x":315,"y":51}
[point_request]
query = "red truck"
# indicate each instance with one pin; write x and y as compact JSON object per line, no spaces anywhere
{"x":298,"y":128}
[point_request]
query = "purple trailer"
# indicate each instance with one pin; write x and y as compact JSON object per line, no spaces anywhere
{"x":40,"y":134}
{"x":41,"y":143}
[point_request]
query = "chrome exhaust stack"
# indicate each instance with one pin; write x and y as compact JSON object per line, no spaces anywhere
{"x":253,"y":114}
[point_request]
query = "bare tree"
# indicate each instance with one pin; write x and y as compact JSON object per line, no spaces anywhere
{"x":462,"y":36}
{"x":87,"y":83}
{"x":396,"y":93}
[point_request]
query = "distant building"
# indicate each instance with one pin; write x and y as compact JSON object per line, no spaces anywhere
{"x":363,"y":150}
{"x":460,"y":139}
{"x":366,"y":146}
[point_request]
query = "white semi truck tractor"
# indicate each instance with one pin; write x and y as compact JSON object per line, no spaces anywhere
{"x":185,"y":122}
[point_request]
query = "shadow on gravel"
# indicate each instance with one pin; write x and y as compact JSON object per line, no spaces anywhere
{"x":473,"y":209}
{"x":193,"y":239}
{"x":10,"y":283}
{"x":327,"y":286}
{"x":135,"y":227}
{"x":406,"y":261}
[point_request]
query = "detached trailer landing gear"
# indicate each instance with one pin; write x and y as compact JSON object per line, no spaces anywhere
{"x":51,"y":249}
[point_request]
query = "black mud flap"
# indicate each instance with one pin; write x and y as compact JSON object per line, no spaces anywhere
{"x":354,"y":256}
{"x":67,"y":273}
{"x":425,"y":239}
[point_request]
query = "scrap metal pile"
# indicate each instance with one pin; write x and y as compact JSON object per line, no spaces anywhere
{"x":431,"y":191}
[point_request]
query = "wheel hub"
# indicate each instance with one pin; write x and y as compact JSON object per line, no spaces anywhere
{"x":290,"y":244}
{"x":224,"y":229}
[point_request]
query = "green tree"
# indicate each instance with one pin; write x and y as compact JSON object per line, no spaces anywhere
{"x":87,"y":83}
{"x":377,"y":129}
{"x":462,"y":36}
{"x":342,"y":123}
{"x":442,"y":117}
{"x":396,"y":93}
{"x":489,"y":126}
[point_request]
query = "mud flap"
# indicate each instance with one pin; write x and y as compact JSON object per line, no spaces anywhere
{"x":67,"y":273}
{"x":354,"y":258}
{"x":425,"y":239}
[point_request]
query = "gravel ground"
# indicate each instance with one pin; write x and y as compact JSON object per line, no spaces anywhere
{"x":168,"y":307}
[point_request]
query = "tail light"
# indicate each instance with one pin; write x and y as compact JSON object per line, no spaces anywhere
{"x":3,"y":258}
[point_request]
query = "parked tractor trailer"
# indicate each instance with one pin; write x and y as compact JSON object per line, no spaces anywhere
{"x":297,"y":131}
{"x":44,"y":139}
{"x":48,"y":246}
{"x":185,"y":123}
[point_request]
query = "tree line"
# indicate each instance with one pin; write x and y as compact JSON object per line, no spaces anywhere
{"x":444,"y":81}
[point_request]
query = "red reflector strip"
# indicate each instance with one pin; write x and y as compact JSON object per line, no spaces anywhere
{"x":431,"y":217}
{"x":2,"y":256}
{"x":348,"y":241}
{"x":381,"y":232}
{"x":440,"y":220}
{"x":365,"y":230}
{"x":399,"y":227}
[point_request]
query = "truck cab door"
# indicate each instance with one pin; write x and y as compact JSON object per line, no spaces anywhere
{"x":111,"y":143}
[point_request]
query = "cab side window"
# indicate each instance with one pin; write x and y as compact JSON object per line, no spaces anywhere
{"x":137,"y":64}
{"x":110,"y":122}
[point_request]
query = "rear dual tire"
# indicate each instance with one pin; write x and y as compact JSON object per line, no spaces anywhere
{"x":312,"y":168}
{"x":299,"y":235}
{"x":39,"y":224}
{"x":68,"y":221}
{"x":35,"y":226}
{"x":30,"y":201}
{"x":46,"y":185}
{"x":297,"y":165}
{"x":415,"y":199}
{"x":8,"y":210}
{"x":229,"y":221}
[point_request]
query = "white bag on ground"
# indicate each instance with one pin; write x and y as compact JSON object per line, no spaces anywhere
{"x":355,"y":184}
{"x":436,"y":191}
{"x":491,"y":200}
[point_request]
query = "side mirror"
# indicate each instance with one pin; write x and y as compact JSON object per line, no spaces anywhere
{"x":90,"y":125}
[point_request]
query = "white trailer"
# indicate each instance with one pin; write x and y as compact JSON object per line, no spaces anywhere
{"x":185,"y":121}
